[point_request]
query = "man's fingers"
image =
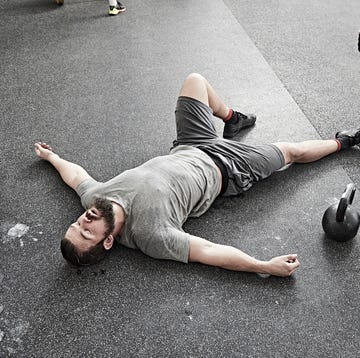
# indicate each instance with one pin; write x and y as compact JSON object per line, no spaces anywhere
{"x":43,"y":145}
{"x":291,"y":258}
{"x":284,"y":265}
{"x":293,"y":265}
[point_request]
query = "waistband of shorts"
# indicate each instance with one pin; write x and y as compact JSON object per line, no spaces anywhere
{"x":221,"y":166}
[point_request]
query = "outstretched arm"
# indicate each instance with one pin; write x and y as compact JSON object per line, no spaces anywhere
{"x":230,"y":258}
{"x":71,"y":173}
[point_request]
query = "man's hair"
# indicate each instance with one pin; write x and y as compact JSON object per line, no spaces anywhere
{"x":72,"y":255}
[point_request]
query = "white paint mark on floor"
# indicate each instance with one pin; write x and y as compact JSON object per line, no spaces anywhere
{"x":18,"y":230}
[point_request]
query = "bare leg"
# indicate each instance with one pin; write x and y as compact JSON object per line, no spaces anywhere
{"x":308,"y":151}
{"x":197,"y":87}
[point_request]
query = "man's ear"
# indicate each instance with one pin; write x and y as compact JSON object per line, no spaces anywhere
{"x":108,"y":242}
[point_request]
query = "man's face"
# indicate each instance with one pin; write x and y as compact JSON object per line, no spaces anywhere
{"x":93,"y":226}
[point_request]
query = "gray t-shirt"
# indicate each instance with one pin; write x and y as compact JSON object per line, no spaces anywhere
{"x":158,"y":197}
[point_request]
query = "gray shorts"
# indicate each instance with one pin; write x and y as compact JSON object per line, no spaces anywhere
{"x":245,"y":164}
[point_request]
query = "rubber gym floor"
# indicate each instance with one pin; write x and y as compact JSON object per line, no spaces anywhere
{"x":102,"y":91}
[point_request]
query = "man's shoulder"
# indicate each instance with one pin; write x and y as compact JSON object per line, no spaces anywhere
{"x":85,"y":185}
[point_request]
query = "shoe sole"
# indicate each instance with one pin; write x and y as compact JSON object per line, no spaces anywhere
{"x":120,"y":11}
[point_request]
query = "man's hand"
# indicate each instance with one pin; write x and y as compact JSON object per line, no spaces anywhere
{"x":71,"y":173}
{"x":43,"y":150}
{"x":282,"y":265}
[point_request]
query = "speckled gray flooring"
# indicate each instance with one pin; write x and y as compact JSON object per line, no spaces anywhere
{"x":102,"y":91}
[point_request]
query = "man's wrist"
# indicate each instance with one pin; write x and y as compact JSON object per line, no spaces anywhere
{"x":264,"y":267}
{"x":52,"y":156}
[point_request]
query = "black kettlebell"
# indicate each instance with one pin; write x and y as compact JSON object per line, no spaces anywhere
{"x":340,"y":221}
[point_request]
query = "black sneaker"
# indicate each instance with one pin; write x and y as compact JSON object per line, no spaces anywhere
{"x":238,"y":122}
{"x":348,"y":138}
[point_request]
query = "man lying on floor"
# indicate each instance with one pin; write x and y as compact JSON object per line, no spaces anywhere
{"x":146,"y":207}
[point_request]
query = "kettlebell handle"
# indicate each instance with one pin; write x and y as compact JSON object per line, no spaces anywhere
{"x":345,"y":200}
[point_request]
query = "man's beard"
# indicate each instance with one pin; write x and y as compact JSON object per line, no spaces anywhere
{"x":106,"y":210}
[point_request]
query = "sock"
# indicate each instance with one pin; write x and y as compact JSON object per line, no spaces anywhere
{"x":338,"y":144}
{"x":231,"y":117}
{"x":228,"y":117}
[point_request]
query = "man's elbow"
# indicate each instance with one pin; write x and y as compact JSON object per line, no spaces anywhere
{"x":206,"y":253}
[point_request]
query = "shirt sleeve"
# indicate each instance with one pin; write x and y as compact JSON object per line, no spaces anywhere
{"x":170,"y":244}
{"x":83,"y":190}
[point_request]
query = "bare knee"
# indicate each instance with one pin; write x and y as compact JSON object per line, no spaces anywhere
{"x":194,"y":76}
{"x":194,"y":80}
{"x":195,"y":86}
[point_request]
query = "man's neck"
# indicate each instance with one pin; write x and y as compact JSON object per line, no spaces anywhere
{"x":119,"y":219}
